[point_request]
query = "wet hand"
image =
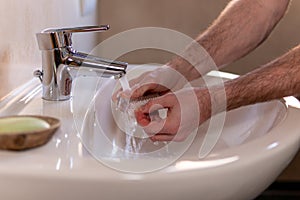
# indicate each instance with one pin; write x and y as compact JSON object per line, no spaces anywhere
{"x":158,"y":81}
{"x":186,"y":110}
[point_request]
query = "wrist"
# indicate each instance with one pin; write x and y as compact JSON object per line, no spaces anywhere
{"x":211,"y":101}
{"x":184,"y":67}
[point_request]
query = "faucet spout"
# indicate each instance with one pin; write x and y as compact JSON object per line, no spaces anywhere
{"x":60,"y":60}
{"x":103,"y":67}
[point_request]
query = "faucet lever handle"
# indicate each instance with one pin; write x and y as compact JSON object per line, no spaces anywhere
{"x":78,"y":29}
{"x":62,"y":37}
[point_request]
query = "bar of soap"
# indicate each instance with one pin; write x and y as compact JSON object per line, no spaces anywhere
{"x":16,"y":125}
{"x":25,"y":132}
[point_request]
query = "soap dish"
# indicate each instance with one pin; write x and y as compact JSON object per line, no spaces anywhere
{"x":22,"y":132}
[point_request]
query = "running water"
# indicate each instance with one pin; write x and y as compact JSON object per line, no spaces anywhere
{"x":127,"y":108}
{"x":134,"y":139}
{"x":124,"y":83}
{"x":123,"y":102}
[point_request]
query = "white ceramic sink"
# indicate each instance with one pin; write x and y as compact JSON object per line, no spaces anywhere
{"x":256,"y":144}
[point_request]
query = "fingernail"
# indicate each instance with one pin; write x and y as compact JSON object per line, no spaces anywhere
{"x":152,"y":138}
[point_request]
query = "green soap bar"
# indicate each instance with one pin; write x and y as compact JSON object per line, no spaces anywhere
{"x":16,"y":125}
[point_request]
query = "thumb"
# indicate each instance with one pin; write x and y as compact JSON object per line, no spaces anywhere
{"x":140,"y":90}
{"x":143,"y":113}
{"x":154,"y":105}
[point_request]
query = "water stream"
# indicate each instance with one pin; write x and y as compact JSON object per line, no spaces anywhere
{"x":127,"y":108}
{"x":135,"y":138}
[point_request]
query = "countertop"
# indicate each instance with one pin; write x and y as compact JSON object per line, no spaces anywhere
{"x":12,"y":76}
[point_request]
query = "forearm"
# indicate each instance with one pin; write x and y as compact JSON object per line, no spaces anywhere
{"x":275,"y":80}
{"x":240,"y":28}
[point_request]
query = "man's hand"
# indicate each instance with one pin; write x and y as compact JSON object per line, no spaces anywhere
{"x":186,"y":110}
{"x":159,"y":82}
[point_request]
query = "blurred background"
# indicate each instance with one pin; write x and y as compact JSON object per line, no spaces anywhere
{"x":192,"y":17}
{"x":20,"y":20}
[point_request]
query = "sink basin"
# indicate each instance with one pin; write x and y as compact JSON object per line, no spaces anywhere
{"x":88,"y":157}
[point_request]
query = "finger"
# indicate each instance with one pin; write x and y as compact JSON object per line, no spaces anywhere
{"x":156,"y":125}
{"x":142,"y":118}
{"x":142,"y":114}
{"x":121,"y":94}
{"x":156,"y":104}
{"x":139,"y":91}
{"x":147,"y":116}
{"x":161,"y":126}
{"x":134,"y":93}
{"x":162,"y":138}
{"x":116,"y":95}
{"x":145,"y":119}
{"x":167,"y":138}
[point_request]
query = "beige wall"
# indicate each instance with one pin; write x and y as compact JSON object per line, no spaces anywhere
{"x":191,"y":17}
{"x":20,"y":20}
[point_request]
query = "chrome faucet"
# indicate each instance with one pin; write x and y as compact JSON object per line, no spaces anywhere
{"x":60,"y":60}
